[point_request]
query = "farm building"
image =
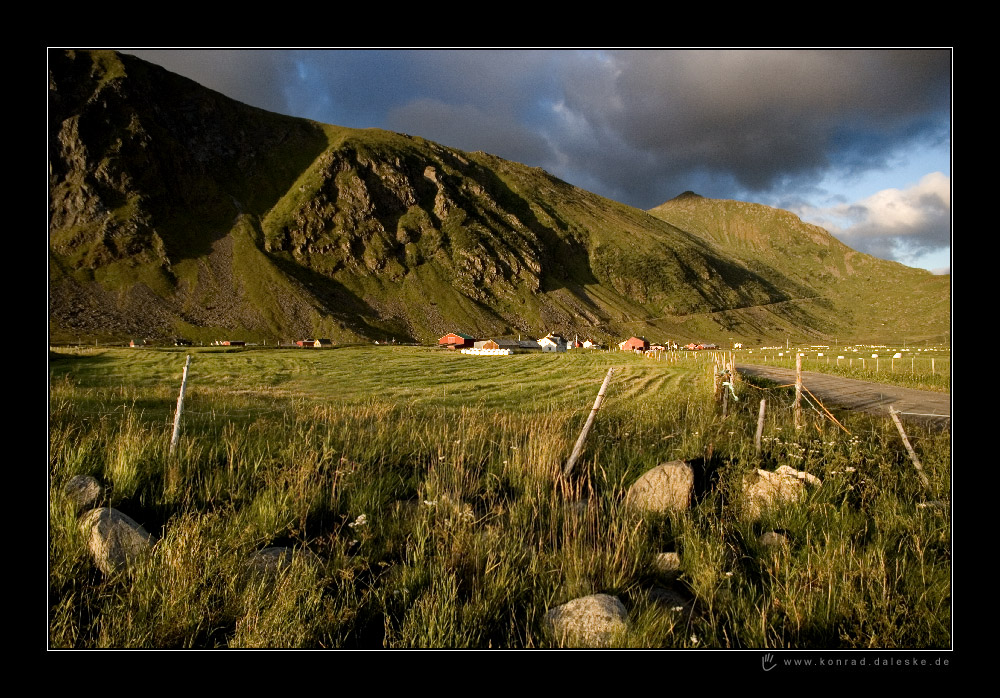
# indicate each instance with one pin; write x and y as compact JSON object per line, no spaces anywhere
{"x":181,"y":342}
{"x":323,"y":343}
{"x":634,"y":344}
{"x":457,"y":340}
{"x":528,"y":345}
{"x":305,"y":342}
{"x":553,"y":342}
{"x":511,"y":344}
{"x":231,"y":343}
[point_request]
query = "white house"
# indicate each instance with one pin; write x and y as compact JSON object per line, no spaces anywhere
{"x":553,"y":342}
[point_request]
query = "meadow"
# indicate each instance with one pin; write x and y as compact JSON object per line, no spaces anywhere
{"x":419,"y":489}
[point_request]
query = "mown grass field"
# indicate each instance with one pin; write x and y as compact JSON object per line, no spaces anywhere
{"x":418,"y":488}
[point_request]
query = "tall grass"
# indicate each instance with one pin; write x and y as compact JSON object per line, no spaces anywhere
{"x":429,"y":513}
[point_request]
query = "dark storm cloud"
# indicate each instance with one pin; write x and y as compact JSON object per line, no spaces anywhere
{"x":639,"y":126}
{"x":756,"y":119}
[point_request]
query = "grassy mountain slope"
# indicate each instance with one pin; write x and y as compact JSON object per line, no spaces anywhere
{"x":175,"y":210}
{"x":872,"y":300}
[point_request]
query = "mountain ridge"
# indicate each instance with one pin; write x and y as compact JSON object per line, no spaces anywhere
{"x":177,"y":211}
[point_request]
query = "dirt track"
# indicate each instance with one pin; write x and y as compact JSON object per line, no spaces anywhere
{"x":914,"y":405}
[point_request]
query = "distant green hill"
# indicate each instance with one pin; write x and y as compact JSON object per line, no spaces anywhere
{"x":177,"y":211}
{"x":836,"y":290}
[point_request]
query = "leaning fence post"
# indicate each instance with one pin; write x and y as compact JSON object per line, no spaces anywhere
{"x":760,"y":425}
{"x":913,"y":454}
{"x":578,"y":448}
{"x":180,"y":408}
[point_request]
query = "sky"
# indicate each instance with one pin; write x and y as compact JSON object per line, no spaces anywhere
{"x":856,"y":141}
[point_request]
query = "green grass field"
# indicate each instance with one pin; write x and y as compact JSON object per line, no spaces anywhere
{"x":418,"y":488}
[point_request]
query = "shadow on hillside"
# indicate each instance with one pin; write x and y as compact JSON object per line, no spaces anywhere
{"x":346,"y":307}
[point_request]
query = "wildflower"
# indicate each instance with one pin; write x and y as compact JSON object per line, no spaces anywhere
{"x":729,"y":574}
{"x":695,"y":640}
{"x":677,"y":609}
{"x":360,"y":521}
{"x":430,"y":502}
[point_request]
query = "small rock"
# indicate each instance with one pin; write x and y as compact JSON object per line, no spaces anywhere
{"x":665,"y":488}
{"x":270,"y":561}
{"x":667,"y":565}
{"x":589,"y":621}
{"x":671,"y":600}
{"x":773,"y":539}
{"x":765,"y":490}
{"x":83,"y":491}
{"x":115,"y":540}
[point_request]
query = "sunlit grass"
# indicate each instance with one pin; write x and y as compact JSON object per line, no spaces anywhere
{"x":426,"y":512}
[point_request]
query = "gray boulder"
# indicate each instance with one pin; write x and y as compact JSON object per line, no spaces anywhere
{"x":83,"y":491}
{"x":589,"y":621}
{"x":667,"y":487}
{"x":115,"y":540}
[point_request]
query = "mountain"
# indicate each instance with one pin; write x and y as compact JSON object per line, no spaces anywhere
{"x":177,"y":211}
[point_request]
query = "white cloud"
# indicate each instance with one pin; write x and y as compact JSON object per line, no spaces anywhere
{"x":900,"y":224}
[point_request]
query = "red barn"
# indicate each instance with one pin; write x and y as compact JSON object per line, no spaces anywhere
{"x":457,"y":340}
{"x":635,"y":344}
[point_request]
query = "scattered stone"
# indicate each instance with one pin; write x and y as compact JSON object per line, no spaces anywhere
{"x":773,"y":539}
{"x":667,"y":565}
{"x":665,"y":488}
{"x":115,"y":540}
{"x":589,"y":621}
{"x":83,"y":491}
{"x":765,"y":490}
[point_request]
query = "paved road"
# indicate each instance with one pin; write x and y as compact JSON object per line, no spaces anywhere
{"x":914,"y":405}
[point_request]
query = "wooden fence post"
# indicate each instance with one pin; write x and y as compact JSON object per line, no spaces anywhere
{"x":578,"y":448}
{"x":909,"y":449}
{"x":180,"y":408}
{"x":798,"y":390}
{"x":760,"y":425}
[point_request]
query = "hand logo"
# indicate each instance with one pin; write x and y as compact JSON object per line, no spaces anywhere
{"x":765,"y":660}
